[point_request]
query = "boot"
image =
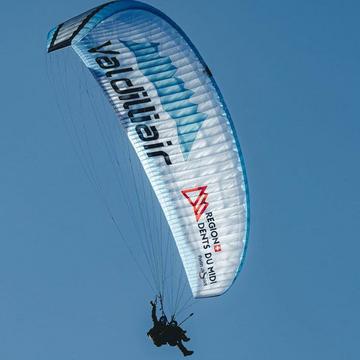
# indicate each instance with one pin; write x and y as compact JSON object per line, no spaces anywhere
{"x":188,"y":353}
{"x":185,"y":338}
{"x":183,"y":349}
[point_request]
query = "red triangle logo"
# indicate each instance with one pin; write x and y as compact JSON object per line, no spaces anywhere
{"x":197,"y":198}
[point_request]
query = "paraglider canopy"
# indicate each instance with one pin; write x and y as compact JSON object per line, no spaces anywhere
{"x":175,"y":117}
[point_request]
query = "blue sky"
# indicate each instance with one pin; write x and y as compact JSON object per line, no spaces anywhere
{"x":289,"y":71}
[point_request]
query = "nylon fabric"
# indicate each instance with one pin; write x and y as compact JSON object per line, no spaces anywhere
{"x":179,"y":126}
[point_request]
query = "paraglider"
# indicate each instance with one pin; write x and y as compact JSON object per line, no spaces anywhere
{"x":164,"y":332}
{"x":174,"y":115}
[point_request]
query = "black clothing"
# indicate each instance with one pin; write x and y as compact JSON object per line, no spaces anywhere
{"x":175,"y":332}
{"x":174,"y":336}
{"x":158,"y":329}
{"x":167,"y":333}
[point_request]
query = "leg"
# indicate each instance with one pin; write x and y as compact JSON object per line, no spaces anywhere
{"x":184,"y":337}
{"x":181,"y":334}
{"x":183,"y":349}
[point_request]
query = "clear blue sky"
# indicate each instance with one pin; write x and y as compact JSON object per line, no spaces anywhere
{"x":289,"y":71}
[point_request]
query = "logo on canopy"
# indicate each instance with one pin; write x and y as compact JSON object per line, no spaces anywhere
{"x":197,"y":198}
{"x":175,"y":97}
